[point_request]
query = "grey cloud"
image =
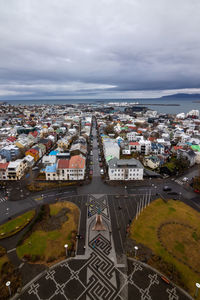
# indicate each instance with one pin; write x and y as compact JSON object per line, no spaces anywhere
{"x":128,"y":46}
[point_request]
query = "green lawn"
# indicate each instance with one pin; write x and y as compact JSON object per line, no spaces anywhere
{"x":48,"y":246}
{"x":16,"y":224}
{"x":176,"y":238}
{"x":37,"y":243}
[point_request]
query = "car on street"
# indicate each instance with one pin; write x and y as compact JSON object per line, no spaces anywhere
{"x":185,"y":179}
{"x":35,"y":168}
{"x":166,"y":188}
{"x":101,"y":171}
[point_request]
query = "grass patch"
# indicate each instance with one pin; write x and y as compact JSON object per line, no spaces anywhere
{"x":179,"y":247}
{"x":48,"y":246}
{"x":3,"y":260}
{"x":40,"y":186}
{"x":179,"y":239}
{"x":8,"y":272}
{"x":172,"y":209}
{"x":56,"y":208}
{"x":17,"y":224}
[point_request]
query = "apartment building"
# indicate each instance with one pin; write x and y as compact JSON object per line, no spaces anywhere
{"x":125,"y":169}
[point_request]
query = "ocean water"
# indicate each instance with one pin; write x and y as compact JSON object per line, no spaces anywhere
{"x":184,"y":105}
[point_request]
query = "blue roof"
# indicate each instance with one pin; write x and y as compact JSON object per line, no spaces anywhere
{"x":54,"y":152}
{"x":50,"y":169}
{"x":160,"y":146}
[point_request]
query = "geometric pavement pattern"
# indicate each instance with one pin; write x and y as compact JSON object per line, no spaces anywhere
{"x":96,"y":205}
{"x":97,"y":277}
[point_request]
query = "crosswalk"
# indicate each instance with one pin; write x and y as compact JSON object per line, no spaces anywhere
{"x":2,"y":199}
{"x":179,"y":181}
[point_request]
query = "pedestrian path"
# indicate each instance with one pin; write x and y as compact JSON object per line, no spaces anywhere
{"x":179,"y":181}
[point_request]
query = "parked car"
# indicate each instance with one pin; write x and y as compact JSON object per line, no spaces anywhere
{"x":196,"y":191}
{"x":185,"y":179}
{"x":166,"y":188}
{"x":101,"y":171}
{"x":35,"y":168}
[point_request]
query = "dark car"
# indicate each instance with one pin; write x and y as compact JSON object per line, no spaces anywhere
{"x":166,"y":188}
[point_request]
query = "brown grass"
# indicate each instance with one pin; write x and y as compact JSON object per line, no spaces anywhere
{"x":177,"y":239}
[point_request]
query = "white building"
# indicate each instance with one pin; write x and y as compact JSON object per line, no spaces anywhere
{"x":49,"y":160}
{"x":131,"y":136}
{"x":145,"y":147}
{"x":111,"y":148}
{"x":30,"y":160}
{"x":125,"y":169}
{"x":16,"y":169}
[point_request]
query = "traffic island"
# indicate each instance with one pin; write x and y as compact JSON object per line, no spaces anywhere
{"x":17,"y":224}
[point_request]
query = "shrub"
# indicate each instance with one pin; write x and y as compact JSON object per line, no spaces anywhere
{"x":50,"y":259}
{"x":2,"y":251}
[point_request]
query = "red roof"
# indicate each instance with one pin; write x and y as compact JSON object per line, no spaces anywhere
{"x":132,"y":127}
{"x":134,"y":143}
{"x":77,"y":162}
{"x":3,"y":166}
{"x":63,"y":164}
{"x":34,"y":133}
{"x":152,"y":139}
{"x":33,"y":150}
{"x":11,"y":138}
{"x":178,"y":147}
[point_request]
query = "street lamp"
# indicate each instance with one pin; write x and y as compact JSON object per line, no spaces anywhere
{"x":197,"y":289}
{"x":66,"y":246}
{"x":136,"y":249}
{"x":8,"y":286}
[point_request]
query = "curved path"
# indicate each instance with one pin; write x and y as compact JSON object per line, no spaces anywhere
{"x":100,"y":272}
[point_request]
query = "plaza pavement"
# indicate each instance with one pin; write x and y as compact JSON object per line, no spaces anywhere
{"x":99,"y":272}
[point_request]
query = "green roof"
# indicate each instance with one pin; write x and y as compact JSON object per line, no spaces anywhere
{"x":195,"y":147}
{"x":109,"y":157}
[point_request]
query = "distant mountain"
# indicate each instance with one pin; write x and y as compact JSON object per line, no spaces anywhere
{"x":182,"y":96}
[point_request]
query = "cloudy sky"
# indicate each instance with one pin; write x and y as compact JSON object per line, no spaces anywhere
{"x":98,"y":48}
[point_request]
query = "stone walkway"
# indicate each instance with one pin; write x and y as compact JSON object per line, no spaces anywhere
{"x":98,"y":275}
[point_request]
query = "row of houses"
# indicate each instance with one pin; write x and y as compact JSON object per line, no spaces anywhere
{"x":71,"y":163}
{"x":150,"y":137}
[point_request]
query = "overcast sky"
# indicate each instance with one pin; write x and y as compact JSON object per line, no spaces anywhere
{"x":98,"y":48}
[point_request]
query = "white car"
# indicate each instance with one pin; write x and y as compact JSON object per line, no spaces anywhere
{"x":185,"y":179}
{"x":101,"y":172}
